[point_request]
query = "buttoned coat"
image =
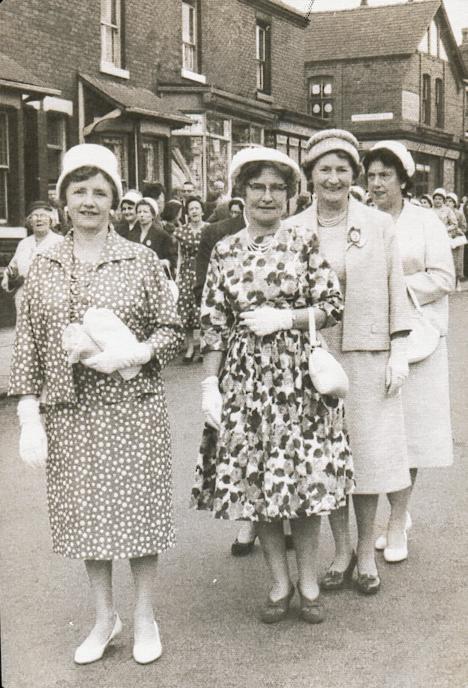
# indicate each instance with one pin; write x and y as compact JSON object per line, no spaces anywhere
{"x":376,"y":301}
{"x":130,"y":281}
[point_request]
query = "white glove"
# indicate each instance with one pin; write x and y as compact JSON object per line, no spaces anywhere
{"x":33,"y":439}
{"x":397,"y":366}
{"x":212,"y":401}
{"x":119,"y":356}
{"x":266,"y":320}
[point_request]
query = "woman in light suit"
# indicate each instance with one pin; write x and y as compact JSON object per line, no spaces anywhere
{"x":360,"y":244}
{"x":429,"y":273}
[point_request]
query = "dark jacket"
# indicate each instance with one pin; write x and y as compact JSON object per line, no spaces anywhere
{"x":158,"y":240}
{"x":210,"y":236}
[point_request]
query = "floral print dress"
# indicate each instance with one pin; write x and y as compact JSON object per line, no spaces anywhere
{"x":282,"y":451}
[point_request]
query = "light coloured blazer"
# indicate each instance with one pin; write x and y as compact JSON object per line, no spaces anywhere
{"x":376,"y":301}
{"x":427,"y":261}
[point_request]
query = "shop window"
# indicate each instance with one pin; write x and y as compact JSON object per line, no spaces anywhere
{"x":321,"y":92}
{"x":153,"y":160}
{"x":56,"y":145}
{"x":112,"y":53}
{"x":119,"y":146}
{"x":439,"y":103}
{"x":426,"y":99}
{"x":244,"y":134}
{"x":263,"y":56}
{"x":421,"y":180}
{"x":4,"y":166}
{"x":190,"y":42}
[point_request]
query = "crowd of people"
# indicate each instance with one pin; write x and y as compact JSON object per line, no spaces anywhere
{"x":268,"y":290}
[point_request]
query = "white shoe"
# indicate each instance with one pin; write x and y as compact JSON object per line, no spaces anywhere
{"x":381,"y":541}
{"x":146,"y":651}
{"x":91,"y":651}
{"x":396,"y":554}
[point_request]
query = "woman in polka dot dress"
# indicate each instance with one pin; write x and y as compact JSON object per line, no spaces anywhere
{"x":106,"y":444}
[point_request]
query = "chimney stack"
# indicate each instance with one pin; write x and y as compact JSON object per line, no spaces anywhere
{"x":363,"y":3}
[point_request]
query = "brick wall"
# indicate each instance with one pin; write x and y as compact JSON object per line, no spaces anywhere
{"x":229,"y":63}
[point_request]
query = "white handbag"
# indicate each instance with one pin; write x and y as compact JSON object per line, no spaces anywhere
{"x":327,"y":375}
{"x":174,"y":289}
{"x":424,"y":337}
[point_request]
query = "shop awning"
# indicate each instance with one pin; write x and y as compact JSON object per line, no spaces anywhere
{"x":134,"y":100}
{"x":15,"y":76}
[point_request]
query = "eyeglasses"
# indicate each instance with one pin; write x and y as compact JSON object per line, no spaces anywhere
{"x":261,"y":189}
{"x":39,"y":216}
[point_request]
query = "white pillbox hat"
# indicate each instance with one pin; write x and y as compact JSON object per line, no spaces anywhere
{"x":90,"y":154}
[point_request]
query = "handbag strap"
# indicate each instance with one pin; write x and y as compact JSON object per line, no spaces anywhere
{"x":312,"y":328}
{"x":414,"y":299}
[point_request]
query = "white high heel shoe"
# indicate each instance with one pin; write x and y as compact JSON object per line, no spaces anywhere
{"x":395,"y":554}
{"x":381,"y":542}
{"x":91,"y":651}
{"x":146,"y":651}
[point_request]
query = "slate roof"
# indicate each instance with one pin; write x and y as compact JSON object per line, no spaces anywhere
{"x":369,"y":31}
{"x":15,"y":75}
{"x":135,"y":100}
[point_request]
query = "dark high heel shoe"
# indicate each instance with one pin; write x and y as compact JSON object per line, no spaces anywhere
{"x":276,"y":611}
{"x":241,"y":549}
{"x":367,"y":584}
{"x":188,"y":359}
{"x":336,"y":580}
{"x":311,"y":611}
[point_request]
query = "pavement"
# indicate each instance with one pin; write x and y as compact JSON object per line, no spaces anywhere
{"x":411,"y":635}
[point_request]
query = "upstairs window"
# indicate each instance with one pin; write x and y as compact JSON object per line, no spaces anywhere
{"x":263,"y":55}
{"x":426,"y":99}
{"x":112,"y":33}
{"x":4,"y":166}
{"x":321,"y":102}
{"x":439,"y":103}
{"x":190,"y":59}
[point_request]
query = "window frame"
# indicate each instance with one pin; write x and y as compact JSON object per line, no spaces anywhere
{"x":263,"y":56}
{"x":59,"y":147}
{"x":426,"y":99}
{"x":323,"y":98}
{"x":116,"y":65}
{"x":5,"y":166}
{"x":439,"y":103}
{"x":192,"y":45}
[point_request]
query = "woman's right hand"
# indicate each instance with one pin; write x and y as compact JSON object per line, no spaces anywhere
{"x":212,"y":402}
{"x":33,"y":439}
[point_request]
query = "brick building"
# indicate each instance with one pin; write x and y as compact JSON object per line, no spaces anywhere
{"x":240,"y":81}
{"x":393,"y":72}
{"x":98,"y":64}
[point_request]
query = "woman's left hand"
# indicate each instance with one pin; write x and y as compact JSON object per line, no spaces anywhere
{"x":397,"y":366}
{"x":266,"y":320}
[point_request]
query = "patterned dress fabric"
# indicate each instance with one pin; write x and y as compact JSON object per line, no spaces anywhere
{"x":109,"y":482}
{"x":282,"y":451}
{"x":189,"y":241}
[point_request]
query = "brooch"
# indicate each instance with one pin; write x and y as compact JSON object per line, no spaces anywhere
{"x":354,"y":237}
{"x":148,"y":242}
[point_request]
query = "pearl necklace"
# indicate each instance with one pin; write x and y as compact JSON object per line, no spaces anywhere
{"x":261,"y":246}
{"x":332,"y":221}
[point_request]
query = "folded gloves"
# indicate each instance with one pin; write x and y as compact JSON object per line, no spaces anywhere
{"x":104,"y":343}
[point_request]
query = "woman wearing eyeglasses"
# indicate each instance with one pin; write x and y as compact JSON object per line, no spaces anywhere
{"x":274,"y":449}
{"x":40,"y":221}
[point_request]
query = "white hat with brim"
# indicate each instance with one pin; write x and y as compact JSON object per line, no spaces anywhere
{"x":132,"y":196}
{"x":260,"y":154}
{"x":453,"y":196}
{"x":90,"y":155}
{"x":401,"y":152}
{"x":439,"y":192}
{"x":147,"y":200}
